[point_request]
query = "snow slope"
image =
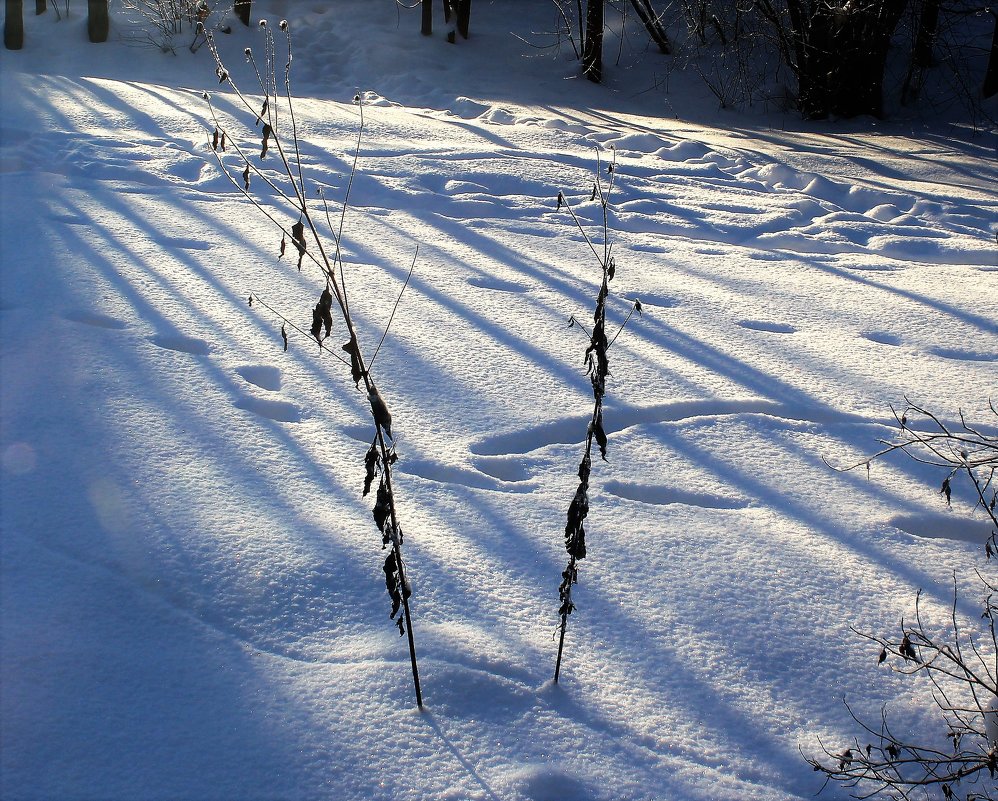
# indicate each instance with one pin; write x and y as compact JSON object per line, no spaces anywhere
{"x":192,"y":599}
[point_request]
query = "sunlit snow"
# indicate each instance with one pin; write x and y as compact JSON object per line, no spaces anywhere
{"x":193,"y":605}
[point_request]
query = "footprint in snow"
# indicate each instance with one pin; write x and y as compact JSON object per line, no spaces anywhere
{"x":449,"y":474}
{"x":181,"y":344}
{"x":768,"y":327}
{"x":96,"y":320}
{"x":268,"y":378}
{"x":959,"y":354}
{"x":662,"y":495}
{"x":503,"y":468}
{"x":942,"y":526}
{"x":882,"y":337}
{"x":661,"y":301}
{"x":277,"y":410}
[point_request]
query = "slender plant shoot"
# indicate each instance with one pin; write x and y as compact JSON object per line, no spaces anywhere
{"x":597,"y":368}
{"x":276,"y":129}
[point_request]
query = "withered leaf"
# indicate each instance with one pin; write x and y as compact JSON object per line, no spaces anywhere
{"x":382,"y":417}
{"x":392,"y":583}
{"x":246,"y":177}
{"x":382,"y":510}
{"x":298,"y":239}
{"x":316,"y":330}
{"x":327,"y":319}
{"x":353,"y":349}
{"x":284,"y":244}
{"x":284,"y":336}
{"x":214,"y":139}
{"x":371,"y":461}
{"x":267,"y":131}
{"x":263,"y":111}
{"x":599,"y":435}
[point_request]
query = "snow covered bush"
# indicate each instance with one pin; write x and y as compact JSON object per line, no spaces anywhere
{"x":273,"y":123}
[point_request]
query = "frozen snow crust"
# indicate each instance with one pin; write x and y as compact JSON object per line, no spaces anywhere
{"x":192,"y":600}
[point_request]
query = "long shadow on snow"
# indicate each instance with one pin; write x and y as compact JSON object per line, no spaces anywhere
{"x":739,"y":731}
{"x":218,"y":441}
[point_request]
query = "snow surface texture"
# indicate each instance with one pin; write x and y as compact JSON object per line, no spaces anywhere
{"x":192,"y":599}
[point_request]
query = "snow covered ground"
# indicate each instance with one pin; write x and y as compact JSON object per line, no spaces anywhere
{"x":192,"y":598}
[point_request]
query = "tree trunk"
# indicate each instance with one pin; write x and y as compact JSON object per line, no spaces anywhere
{"x":653,"y":25}
{"x":592,"y":49}
{"x":463,"y":17}
{"x":13,"y":25}
{"x":841,"y":57}
{"x":98,"y":23}
{"x":990,"y":86}
{"x":426,"y":27}
{"x":243,"y":9}
{"x":928,"y":26}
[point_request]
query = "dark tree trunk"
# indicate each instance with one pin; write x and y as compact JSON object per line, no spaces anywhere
{"x":98,"y":23}
{"x":653,"y":25}
{"x":592,"y":49}
{"x":928,"y":26}
{"x":991,"y":75}
{"x":446,"y":4}
{"x":40,"y":7}
{"x":841,"y":57}
{"x":13,"y":25}
{"x":426,"y":26}
{"x":463,"y":17}
{"x":243,"y":9}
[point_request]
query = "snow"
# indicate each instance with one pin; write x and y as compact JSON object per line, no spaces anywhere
{"x":192,"y":598}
